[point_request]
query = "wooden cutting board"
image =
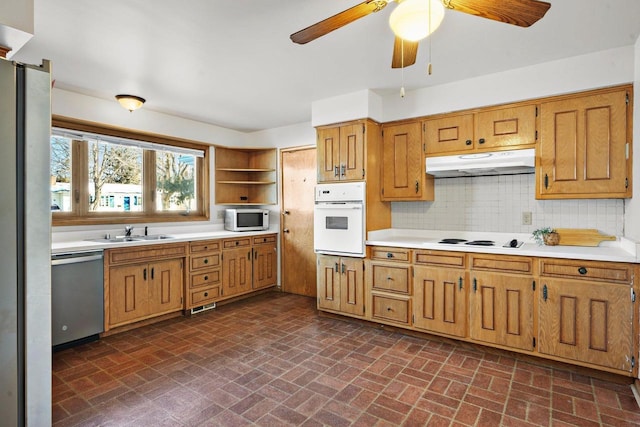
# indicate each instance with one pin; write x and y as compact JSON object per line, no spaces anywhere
{"x":581,"y":236}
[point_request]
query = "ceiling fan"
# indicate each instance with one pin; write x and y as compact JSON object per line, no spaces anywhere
{"x":522,"y":13}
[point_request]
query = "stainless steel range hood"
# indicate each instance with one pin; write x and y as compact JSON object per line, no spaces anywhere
{"x":490,"y":163}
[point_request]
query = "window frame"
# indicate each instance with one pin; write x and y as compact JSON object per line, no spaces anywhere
{"x":80,"y":214}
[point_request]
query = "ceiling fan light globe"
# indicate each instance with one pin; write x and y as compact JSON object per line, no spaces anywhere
{"x":410,"y":19}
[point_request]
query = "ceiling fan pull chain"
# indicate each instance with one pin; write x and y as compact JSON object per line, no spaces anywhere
{"x":447,"y":4}
{"x":402,"y":67}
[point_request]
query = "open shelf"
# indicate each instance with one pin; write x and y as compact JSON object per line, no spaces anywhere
{"x":245,"y":176}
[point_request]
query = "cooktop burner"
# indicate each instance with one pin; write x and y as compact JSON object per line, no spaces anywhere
{"x":452,"y":241}
{"x":481,"y":243}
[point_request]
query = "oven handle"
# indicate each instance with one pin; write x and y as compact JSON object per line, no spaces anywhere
{"x":339,"y":206}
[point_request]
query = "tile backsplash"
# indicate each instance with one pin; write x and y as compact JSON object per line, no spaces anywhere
{"x":497,"y":203}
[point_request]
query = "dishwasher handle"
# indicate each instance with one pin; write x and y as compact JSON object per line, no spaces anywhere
{"x":76,"y":259}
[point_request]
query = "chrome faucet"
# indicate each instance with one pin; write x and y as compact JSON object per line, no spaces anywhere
{"x":127,"y":230}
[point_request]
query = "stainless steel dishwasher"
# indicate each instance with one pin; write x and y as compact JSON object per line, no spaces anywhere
{"x":77,"y":298}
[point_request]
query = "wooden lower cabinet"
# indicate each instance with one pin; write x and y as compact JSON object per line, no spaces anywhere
{"x":141,"y":291}
{"x":501,"y":310}
{"x":586,"y":313}
{"x":341,"y":284}
{"x":265,"y":262}
{"x":237,"y":271}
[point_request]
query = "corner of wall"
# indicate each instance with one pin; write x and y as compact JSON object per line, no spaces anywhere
{"x":632,"y":206}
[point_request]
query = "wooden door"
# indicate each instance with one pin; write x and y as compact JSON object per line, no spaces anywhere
{"x":352,"y":152}
{"x":507,"y":127}
{"x":165,"y":286}
{"x":439,"y":300}
{"x":583,"y":147}
{"x":236,"y":271}
{"x":328,"y":154}
{"x":449,"y":134}
{"x":587,"y":321}
{"x":128,"y":293}
{"x":298,"y":260}
{"x":352,"y":285}
{"x":402,"y":162}
{"x":265,"y":266}
{"x":328,"y":282}
{"x":501,"y":309}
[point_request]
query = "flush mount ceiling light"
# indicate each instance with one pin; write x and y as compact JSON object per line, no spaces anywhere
{"x":414,"y":20}
{"x":130,"y":102}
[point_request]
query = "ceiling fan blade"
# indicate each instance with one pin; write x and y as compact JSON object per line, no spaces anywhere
{"x":410,"y":53}
{"x":522,"y":13}
{"x":338,"y":20}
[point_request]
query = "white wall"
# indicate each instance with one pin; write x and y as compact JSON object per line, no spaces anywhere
{"x":357,"y":105}
{"x":599,"y":69}
{"x":632,"y":206}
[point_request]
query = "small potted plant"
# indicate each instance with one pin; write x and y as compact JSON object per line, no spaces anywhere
{"x":546,"y":236}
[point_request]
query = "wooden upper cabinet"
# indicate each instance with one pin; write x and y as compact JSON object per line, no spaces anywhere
{"x":585,"y":147}
{"x":448,"y":134}
{"x":403,"y":170}
{"x":341,"y":153}
{"x":485,"y":130}
{"x":513,"y":127}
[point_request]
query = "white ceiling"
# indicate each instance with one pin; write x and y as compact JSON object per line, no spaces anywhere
{"x":231,"y":63}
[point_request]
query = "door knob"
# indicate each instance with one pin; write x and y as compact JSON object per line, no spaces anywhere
{"x":286,"y":230}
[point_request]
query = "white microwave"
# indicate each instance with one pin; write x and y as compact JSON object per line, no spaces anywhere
{"x":246,"y":219}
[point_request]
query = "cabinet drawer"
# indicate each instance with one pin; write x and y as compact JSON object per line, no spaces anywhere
{"x":259,"y":240}
{"x":236,"y":243}
{"x":205,"y":246}
{"x":390,"y":254}
{"x":501,"y":263}
{"x":588,"y":270}
{"x":205,"y":261}
{"x":390,"y":278}
{"x":205,"y":295}
{"x":145,"y":253}
{"x":390,"y":309}
{"x":208,"y":278}
{"x":440,"y":258}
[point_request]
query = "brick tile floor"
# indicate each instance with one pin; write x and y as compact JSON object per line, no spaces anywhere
{"x":272,"y":361}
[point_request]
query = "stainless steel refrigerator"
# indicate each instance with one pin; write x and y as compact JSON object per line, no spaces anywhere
{"x":25,"y":245}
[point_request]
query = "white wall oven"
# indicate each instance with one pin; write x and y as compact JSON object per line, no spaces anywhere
{"x":339,"y":217}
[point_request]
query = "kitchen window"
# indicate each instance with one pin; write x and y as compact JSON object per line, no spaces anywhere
{"x":128,"y":176}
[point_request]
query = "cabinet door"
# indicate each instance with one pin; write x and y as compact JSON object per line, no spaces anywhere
{"x":236,"y":271}
{"x":403,"y":175}
{"x":583,"y":147}
{"x":449,"y":134}
{"x":501,"y":309}
{"x":507,"y":127}
{"x":128,"y":293}
{"x":352,"y":286}
{"x":352,"y":152}
{"x":165,"y":286}
{"x":328,"y":272}
{"x":328,"y":154}
{"x":439,"y":300}
{"x":265,"y":266}
{"x":586,"y":321}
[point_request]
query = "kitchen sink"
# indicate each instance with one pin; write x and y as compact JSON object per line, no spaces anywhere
{"x":122,"y":239}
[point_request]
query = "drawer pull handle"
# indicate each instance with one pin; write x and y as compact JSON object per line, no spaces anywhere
{"x":460,"y":282}
{"x":206,"y":247}
{"x":389,"y":309}
{"x":389,"y":255}
{"x":206,"y":277}
{"x":336,"y":171}
{"x":582,"y":270}
{"x":206,"y":261}
{"x":545,"y":292}
{"x":344,"y":269}
{"x":475,"y":284}
{"x":337,"y":269}
{"x":206,"y":294}
{"x":389,"y":278}
{"x":237,"y":243}
{"x":144,"y":274}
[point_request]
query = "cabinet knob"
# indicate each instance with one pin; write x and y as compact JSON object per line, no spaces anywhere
{"x":389,"y":309}
{"x":206,"y":247}
{"x":389,"y":255}
{"x":582,"y":270}
{"x":481,"y":141}
{"x":206,"y":261}
{"x":206,"y":277}
{"x":286,"y":230}
{"x":468,"y":142}
{"x":206,"y":294}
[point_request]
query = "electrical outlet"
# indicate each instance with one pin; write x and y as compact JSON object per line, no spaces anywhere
{"x":526,"y":218}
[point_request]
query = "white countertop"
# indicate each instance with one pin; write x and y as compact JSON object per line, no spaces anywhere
{"x":81,"y":245}
{"x":621,"y":250}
